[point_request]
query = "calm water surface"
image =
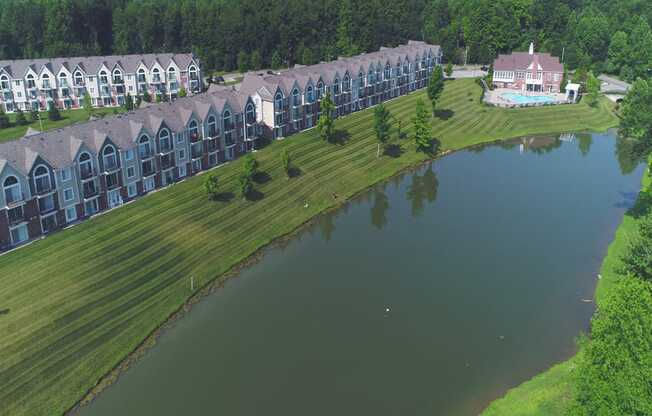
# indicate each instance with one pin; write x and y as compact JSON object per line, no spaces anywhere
{"x":483,"y":259}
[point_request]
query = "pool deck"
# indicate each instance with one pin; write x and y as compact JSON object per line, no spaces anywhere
{"x":494,"y":97}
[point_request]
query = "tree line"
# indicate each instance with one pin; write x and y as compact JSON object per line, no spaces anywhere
{"x":611,"y":36}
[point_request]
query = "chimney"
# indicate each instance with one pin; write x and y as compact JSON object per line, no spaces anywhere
{"x":531,"y":48}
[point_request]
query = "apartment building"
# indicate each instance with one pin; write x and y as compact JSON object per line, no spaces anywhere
{"x":36,"y":84}
{"x":52,"y":179}
{"x":289,"y":101}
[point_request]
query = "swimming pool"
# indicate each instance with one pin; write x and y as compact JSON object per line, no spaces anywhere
{"x":517,"y":98}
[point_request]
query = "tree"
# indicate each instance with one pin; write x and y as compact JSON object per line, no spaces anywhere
{"x":449,"y":70}
{"x":286,"y":162}
{"x":256,"y":62}
{"x":245,"y":185}
{"x":33,"y":116}
{"x":20,"y":117}
{"x":4,"y":119}
{"x":87,"y":103}
{"x":53,"y":112}
{"x":306,"y":56}
{"x":250,"y":167}
{"x":618,"y":51}
{"x":636,"y":114}
{"x":159,"y":98}
{"x":564,"y":80}
{"x":637,"y":261}
{"x":580,"y":75}
{"x":243,"y":61}
{"x":435,"y":86}
{"x":183,"y":92}
{"x":277,"y":62}
{"x":381,"y":124}
{"x":211,"y":185}
{"x":592,"y":89}
{"x":146,"y":97}
{"x":325,"y":122}
{"x":129,"y":103}
{"x":422,"y":129}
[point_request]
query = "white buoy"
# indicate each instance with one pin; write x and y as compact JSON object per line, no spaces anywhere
{"x":386,"y":309}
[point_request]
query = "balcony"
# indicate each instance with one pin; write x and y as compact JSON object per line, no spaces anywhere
{"x":156,"y":79}
{"x":148,"y":168}
{"x":196,"y":151}
{"x":16,"y":216}
{"x":212,"y":146}
{"x":110,"y":164}
{"x":212,"y":133}
{"x":228,"y":139}
{"x":86,"y":172}
{"x":118,"y":81}
{"x":46,"y":205}
{"x":43,"y":186}
{"x":13,"y":197}
{"x":4,"y":86}
{"x":7,"y":96}
{"x":105,"y":91}
{"x":112,"y":181}
{"x":194,"y":137}
{"x":145,"y":154}
{"x":90,"y":190}
{"x":167,"y":162}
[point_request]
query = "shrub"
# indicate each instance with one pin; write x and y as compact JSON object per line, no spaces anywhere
{"x":211,"y":185}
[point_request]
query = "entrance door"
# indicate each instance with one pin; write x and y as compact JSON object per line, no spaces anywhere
{"x":114,"y":198}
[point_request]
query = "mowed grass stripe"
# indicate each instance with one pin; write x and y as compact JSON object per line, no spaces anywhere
{"x":129,"y":269}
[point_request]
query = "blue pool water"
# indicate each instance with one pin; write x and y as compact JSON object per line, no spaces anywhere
{"x":526,"y":99}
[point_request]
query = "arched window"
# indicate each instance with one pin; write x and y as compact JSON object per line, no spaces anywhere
{"x":30,"y":81}
{"x":156,"y":75}
{"x":388,"y":72}
{"x":144,"y":147}
{"x":12,"y":191}
{"x":226,"y":116}
{"x":103,"y":78}
{"x":250,"y":113}
{"x":172,"y":74}
{"x":63,"y":80}
{"x":4,"y":82}
{"x":370,"y":77}
{"x":406,"y":68}
{"x":336,"y":86}
{"x":278,"y":101}
{"x":165,"y":143}
{"x":45,"y":81}
{"x":296,"y":98}
{"x":193,"y":129}
{"x":79,"y":78}
{"x":41,"y":179}
{"x":193,"y":73}
{"x":360,"y":79}
{"x":379,"y":77}
{"x":321,"y":90}
{"x":212,"y":126}
{"x":310,"y":94}
{"x":347,"y":83}
{"x":141,"y":75}
{"x":109,"y":158}
{"x":117,"y":76}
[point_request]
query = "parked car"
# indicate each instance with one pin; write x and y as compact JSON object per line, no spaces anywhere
{"x":484,"y":68}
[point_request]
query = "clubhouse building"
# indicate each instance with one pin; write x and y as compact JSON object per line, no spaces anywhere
{"x":52,"y":179}
{"x":528,"y":71}
{"x":36,"y":84}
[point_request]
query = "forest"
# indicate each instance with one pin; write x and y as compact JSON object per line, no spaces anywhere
{"x":605,"y":35}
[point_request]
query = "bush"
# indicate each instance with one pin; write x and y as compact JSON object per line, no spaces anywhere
{"x":20,"y":118}
{"x":245,"y":185}
{"x":638,"y":259}
{"x":33,"y":116}
{"x":615,"y":368}
{"x":286,"y":162}
{"x":211,"y":185}
{"x":53,"y":113}
{"x":4,"y":120}
{"x":250,"y":166}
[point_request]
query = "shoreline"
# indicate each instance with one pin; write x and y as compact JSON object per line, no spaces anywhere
{"x":218,"y":282}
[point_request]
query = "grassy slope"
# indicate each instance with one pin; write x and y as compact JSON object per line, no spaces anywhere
{"x":80,"y":300}
{"x":550,"y":393}
{"x":67,"y":117}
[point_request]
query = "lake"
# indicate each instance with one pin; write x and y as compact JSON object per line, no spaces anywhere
{"x":431,"y":294}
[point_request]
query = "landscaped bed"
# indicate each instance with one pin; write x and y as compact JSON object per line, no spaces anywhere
{"x":77,"y":303}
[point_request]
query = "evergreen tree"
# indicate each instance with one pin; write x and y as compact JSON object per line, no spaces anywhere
{"x":449,"y":70}
{"x":53,"y":112}
{"x":245,"y":185}
{"x":592,"y":89}
{"x":435,"y":86}
{"x":20,"y":117}
{"x":146,"y":97}
{"x":382,"y":124}
{"x":564,"y":80}
{"x":306,"y":56}
{"x":243,"y":61}
{"x":87,"y":103}
{"x":277,"y":62}
{"x":422,"y":128}
{"x":129,"y":103}
{"x":33,"y":116}
{"x":182,"y":92}
{"x":325,"y":122}
{"x":256,"y":61}
{"x":286,"y":162}
{"x":344,"y":41}
{"x":250,"y":167}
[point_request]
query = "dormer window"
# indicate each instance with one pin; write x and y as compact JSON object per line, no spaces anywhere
{"x":110,"y":159}
{"x":141,"y":75}
{"x":226,"y":116}
{"x":321,"y":90}
{"x":336,"y":86}
{"x":144,"y":147}
{"x":156,"y":75}
{"x":278,"y":101}
{"x":193,"y":73}
{"x":172,"y":74}
{"x":388,"y":72}
{"x":193,"y":130}
{"x":4,"y":82}
{"x":250,"y":114}
{"x":79,"y":78}
{"x":104,"y":79}
{"x":63,"y":80}
{"x":212,"y":126}
{"x":85,"y":165}
{"x":45,"y":81}
{"x":347,"y":83}
{"x":310,"y":94}
{"x":164,"y":140}
{"x":12,"y":190}
{"x":117,"y":77}
{"x":30,"y":81}
{"x":42,"y":180}
{"x":296,"y":98}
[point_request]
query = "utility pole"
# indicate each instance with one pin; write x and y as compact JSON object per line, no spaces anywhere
{"x":563,"y":50}
{"x":466,"y":54}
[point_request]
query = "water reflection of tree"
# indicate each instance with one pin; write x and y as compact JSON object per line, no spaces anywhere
{"x":327,"y":225}
{"x":379,"y":208}
{"x":584,"y":142}
{"x":629,"y":153}
{"x":423,"y":188}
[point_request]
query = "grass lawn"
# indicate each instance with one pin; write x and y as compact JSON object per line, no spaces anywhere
{"x":67,"y":117}
{"x":76,"y":303}
{"x":550,"y":393}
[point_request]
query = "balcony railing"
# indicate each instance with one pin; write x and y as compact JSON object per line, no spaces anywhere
{"x":16,"y":215}
{"x":86,"y":172}
{"x":90,"y":190}
{"x":212,"y":146}
{"x":46,"y":205}
{"x":145,"y":154}
{"x":110,"y":164}
{"x":43,"y":186}
{"x":167,"y":162}
{"x":196,"y":152}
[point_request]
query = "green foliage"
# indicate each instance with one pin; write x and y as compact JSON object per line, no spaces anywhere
{"x":277,"y":61}
{"x":286,"y":162}
{"x":382,"y":123}
{"x":20,"y":118}
{"x":449,"y":69}
{"x":564,"y":80}
{"x":129,"y":102}
{"x":210,"y":184}
{"x":637,"y":260}
{"x":422,"y":128}
{"x":243,"y":61}
{"x":245,"y":185}
{"x":183,"y":92}
{"x":53,"y":112}
{"x":615,"y":368}
{"x":146,"y":97}
{"x":250,"y":166}
{"x":33,"y":116}
{"x":4,"y":119}
{"x":592,"y":89}
{"x":435,"y":86}
{"x":636,"y":113}
{"x":325,"y":122}
{"x":580,"y":75}
{"x":87,"y":102}
{"x":256,"y":61}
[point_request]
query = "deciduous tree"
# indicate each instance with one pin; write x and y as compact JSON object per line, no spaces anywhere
{"x":422,"y":128}
{"x":435,"y":86}
{"x":382,"y":124}
{"x":325,"y":122}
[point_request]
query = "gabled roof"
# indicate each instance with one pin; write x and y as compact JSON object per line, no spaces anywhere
{"x":522,"y":60}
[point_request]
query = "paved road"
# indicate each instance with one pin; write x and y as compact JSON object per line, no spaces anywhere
{"x":613,"y":85}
